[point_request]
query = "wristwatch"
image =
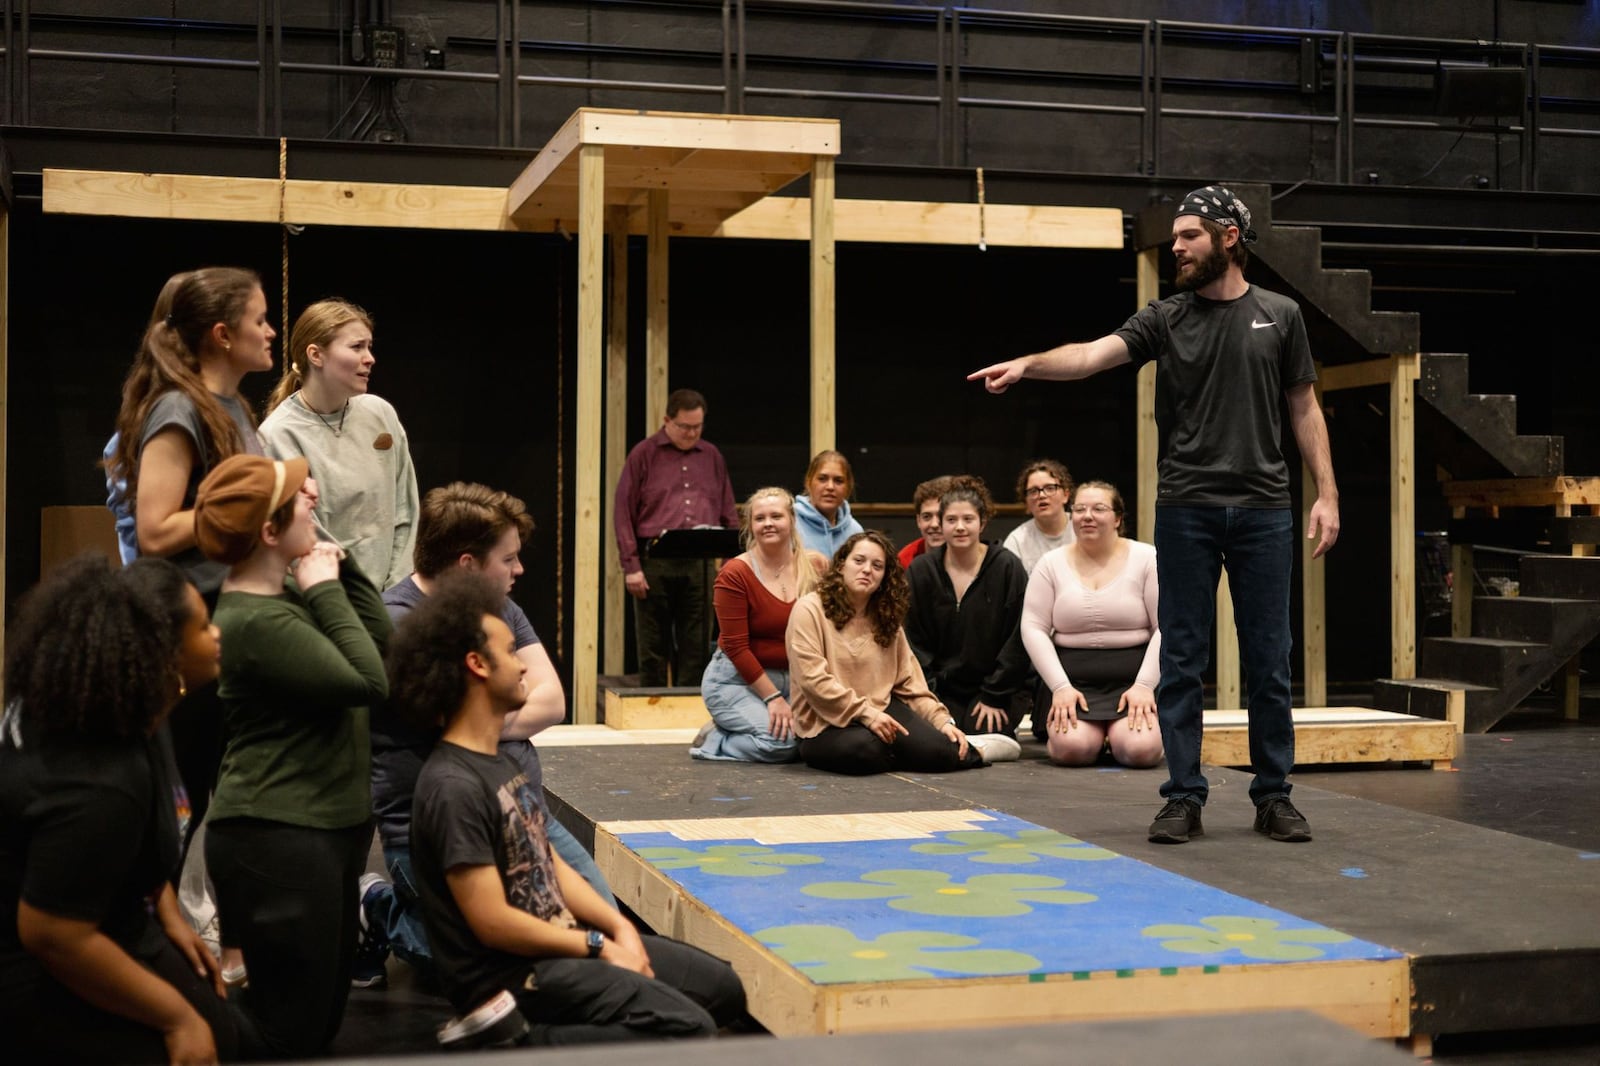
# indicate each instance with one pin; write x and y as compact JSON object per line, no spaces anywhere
{"x":596,"y":941}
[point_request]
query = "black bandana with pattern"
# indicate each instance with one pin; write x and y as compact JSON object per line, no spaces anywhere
{"x":1218,"y":203}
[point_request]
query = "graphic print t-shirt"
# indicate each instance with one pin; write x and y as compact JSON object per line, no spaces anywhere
{"x":480,"y":810}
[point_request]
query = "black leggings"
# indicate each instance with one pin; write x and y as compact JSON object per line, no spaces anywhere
{"x":54,"y":1025}
{"x":586,"y":1001}
{"x":287,"y":896}
{"x":855,"y":749}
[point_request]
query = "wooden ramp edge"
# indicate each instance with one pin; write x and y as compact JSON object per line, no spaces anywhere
{"x":1338,"y":735}
{"x":1371,"y":997}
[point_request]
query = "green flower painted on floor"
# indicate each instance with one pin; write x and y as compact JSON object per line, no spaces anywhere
{"x":1025,"y":847}
{"x":728,"y":860}
{"x":1254,"y":938}
{"x":935,"y":892}
{"x":826,"y":953}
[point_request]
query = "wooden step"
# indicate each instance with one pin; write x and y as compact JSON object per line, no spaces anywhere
{"x":1572,"y":576}
{"x":1434,"y":697}
{"x":1487,"y":661}
{"x":1540,"y":619}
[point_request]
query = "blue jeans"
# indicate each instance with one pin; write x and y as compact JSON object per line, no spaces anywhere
{"x":1256,"y":545}
{"x":740,"y":733}
{"x":399,"y":908}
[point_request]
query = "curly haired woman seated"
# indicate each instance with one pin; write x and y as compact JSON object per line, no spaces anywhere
{"x":861,"y":704}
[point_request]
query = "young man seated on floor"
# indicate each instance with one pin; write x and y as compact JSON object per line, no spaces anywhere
{"x":502,"y":910}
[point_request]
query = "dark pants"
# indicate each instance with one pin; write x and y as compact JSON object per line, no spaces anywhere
{"x":1193,"y":544}
{"x":287,"y":896}
{"x":855,"y":749}
{"x":961,"y":704}
{"x":196,"y":729}
{"x":56,"y":1026}
{"x":670,"y":623}
{"x":588,"y":1001}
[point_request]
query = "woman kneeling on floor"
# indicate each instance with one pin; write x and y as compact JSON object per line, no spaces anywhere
{"x":861,"y":704}
{"x":1089,"y":623}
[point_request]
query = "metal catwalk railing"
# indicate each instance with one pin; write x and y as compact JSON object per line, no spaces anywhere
{"x":1143,"y":71}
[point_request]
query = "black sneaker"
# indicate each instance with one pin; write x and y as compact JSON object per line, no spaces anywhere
{"x":1277,"y":818}
{"x":372,"y":946}
{"x":1177,"y":822}
{"x":496,"y":1022}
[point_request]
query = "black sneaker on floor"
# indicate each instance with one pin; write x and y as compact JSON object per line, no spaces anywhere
{"x":1279,"y":820}
{"x":1178,"y":821}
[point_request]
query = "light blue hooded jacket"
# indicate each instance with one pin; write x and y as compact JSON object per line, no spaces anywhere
{"x":815,"y":533}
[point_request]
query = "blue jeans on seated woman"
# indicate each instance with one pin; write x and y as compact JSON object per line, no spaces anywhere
{"x":740,"y":731}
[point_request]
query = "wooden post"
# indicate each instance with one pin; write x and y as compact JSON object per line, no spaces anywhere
{"x":655,"y":348}
{"x":823,"y":429}
{"x":1147,"y":286}
{"x":1403,"y":516}
{"x":586,"y":532}
{"x":1313,"y":598}
{"x":616,"y":400}
{"x":1227,"y":650}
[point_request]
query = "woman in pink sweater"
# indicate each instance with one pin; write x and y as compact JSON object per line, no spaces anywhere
{"x":861,"y":704}
{"x":1089,"y":624}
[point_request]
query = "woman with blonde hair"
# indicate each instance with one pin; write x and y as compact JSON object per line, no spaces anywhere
{"x":321,"y":409}
{"x":746,"y":684}
{"x":861,"y":705}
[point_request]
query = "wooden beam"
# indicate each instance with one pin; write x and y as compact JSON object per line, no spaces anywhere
{"x":616,"y":400}
{"x":1339,"y":740}
{"x":702,"y":132}
{"x":1313,"y":596}
{"x":1227,"y":649}
{"x":917,"y":222}
{"x":1403,"y":517}
{"x":656,"y":347}
{"x":1523,"y":492}
{"x":823,"y":429}
{"x":1360,"y":375}
{"x":654,"y":709}
{"x":555,"y":152}
{"x":586,"y":532}
{"x":1147,"y":287}
{"x":464,"y":207}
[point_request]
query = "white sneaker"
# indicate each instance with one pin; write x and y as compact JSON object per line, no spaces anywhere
{"x":995,"y":747}
{"x":494,"y":1023}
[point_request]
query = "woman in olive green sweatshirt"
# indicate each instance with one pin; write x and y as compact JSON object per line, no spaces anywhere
{"x":289,"y":830}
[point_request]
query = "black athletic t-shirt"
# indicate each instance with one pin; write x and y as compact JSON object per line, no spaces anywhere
{"x":1221,"y":369}
{"x":88,"y":830}
{"x":480,"y":810}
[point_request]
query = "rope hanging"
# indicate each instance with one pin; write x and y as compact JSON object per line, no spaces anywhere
{"x":983,"y":227}
{"x":561,"y":466}
{"x":283,"y":230}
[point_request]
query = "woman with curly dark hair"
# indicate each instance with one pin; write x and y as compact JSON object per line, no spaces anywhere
{"x":101,"y":966}
{"x":861,"y":705}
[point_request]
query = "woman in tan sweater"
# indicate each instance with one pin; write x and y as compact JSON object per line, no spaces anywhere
{"x":861,"y":705}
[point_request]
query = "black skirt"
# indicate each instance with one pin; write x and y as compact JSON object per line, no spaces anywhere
{"x":1101,"y":674}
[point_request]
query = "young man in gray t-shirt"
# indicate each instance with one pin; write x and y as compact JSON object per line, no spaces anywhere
{"x":1229,"y":357}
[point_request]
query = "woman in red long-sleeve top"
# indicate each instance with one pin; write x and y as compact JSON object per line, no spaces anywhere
{"x":746,"y":684}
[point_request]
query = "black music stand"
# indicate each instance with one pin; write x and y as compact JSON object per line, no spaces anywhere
{"x":704,"y":543}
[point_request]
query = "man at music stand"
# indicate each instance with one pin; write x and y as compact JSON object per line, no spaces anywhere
{"x":673,"y":479}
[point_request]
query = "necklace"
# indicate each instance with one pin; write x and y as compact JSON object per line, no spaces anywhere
{"x":338,"y":428}
{"x":781,"y":577}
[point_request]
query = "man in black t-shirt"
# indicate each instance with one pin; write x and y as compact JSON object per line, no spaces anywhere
{"x":1228,"y":354}
{"x":502,"y":910}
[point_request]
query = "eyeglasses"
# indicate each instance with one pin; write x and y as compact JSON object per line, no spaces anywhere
{"x":1097,"y":509}
{"x":1042,"y":490}
{"x":685,"y":427}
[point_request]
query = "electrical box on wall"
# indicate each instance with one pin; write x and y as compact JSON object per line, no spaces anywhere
{"x":385,"y":46}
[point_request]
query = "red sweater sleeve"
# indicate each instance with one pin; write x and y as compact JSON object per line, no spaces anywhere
{"x":730,"y":597}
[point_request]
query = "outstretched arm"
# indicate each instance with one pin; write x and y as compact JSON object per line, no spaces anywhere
{"x":1311,"y":434}
{"x":1066,"y":363}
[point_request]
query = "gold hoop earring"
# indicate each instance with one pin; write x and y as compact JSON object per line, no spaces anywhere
{"x":183,"y":687}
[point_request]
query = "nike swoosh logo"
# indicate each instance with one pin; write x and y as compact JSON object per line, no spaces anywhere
{"x":1260,"y":325}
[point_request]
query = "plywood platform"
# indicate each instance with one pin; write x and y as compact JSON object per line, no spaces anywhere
{"x":1482,"y":930}
{"x":1338,"y":735}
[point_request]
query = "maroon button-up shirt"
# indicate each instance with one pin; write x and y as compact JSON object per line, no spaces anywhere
{"x":664,"y":488}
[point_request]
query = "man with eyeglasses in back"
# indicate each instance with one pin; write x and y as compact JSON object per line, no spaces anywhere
{"x":673,"y":479}
{"x":1229,"y":355}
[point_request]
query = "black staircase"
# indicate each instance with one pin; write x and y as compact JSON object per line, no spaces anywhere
{"x":1517,"y":643}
